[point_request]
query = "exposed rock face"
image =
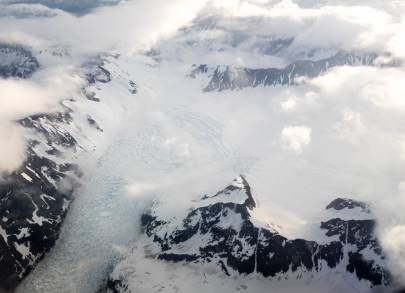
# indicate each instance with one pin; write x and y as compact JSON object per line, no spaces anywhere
{"x":345,"y":203}
{"x":233,"y":78}
{"x":16,"y":61}
{"x":97,"y":73}
{"x":35,"y":198}
{"x":31,"y":204}
{"x":221,"y":231}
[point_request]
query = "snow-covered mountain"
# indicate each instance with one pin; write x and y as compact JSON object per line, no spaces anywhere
{"x":36,"y":197}
{"x":143,"y":125}
{"x":16,"y":61}
{"x":220,"y":231}
{"x":233,"y":77}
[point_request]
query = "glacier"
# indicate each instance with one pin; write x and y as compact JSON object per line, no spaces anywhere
{"x":176,"y":119}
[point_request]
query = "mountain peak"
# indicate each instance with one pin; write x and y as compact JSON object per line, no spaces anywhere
{"x":237,"y":192}
{"x":16,"y":61}
{"x":347,"y":203}
{"x":220,"y":231}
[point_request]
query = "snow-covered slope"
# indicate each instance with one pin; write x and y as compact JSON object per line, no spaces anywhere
{"x":36,"y":197}
{"x":230,"y":77}
{"x":16,"y":61}
{"x":218,"y":234}
{"x":62,"y":142}
{"x":296,"y":141}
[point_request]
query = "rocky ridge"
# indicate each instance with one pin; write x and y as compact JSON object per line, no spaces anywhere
{"x":221,"y":231}
{"x":35,"y":198}
{"x":229,"y":77}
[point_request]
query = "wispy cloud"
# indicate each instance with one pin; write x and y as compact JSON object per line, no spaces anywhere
{"x":21,"y":98}
{"x":346,"y":126}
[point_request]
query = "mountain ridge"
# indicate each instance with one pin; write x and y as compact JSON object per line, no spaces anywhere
{"x":219,"y":231}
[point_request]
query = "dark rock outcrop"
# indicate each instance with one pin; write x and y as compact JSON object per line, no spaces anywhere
{"x":221,"y":230}
{"x":16,"y":61}
{"x":35,"y":198}
{"x":235,"y":78}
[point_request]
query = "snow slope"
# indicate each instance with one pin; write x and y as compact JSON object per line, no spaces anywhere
{"x":218,"y":244}
{"x":142,"y":129}
{"x":168,"y":141}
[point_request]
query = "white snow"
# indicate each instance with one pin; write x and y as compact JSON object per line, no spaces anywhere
{"x":26,"y":177}
{"x":45,"y":197}
{"x":24,"y":232}
{"x":24,"y":250}
{"x":148,"y":275}
{"x":32,"y":171}
{"x":181,"y":143}
{"x":237,"y":196}
{"x":3,"y":233}
{"x":171,"y":139}
{"x":36,"y":219}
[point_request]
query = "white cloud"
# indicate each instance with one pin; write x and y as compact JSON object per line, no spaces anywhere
{"x":188,"y":140}
{"x":131,"y":25}
{"x":394,"y":244}
{"x":361,"y":25}
{"x":380,"y":87}
{"x":352,"y":127}
{"x":139,"y":189}
{"x":12,"y":147}
{"x":289,"y":105}
{"x":401,"y":142}
{"x":392,"y":231}
{"x":20,"y":98}
{"x":296,"y":138}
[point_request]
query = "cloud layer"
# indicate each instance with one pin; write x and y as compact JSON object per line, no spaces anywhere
{"x":130,"y":27}
{"x":340,"y":134}
{"x":20,"y":98}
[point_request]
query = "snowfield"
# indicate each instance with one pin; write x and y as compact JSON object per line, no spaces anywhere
{"x":305,"y":99}
{"x":190,"y":143}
